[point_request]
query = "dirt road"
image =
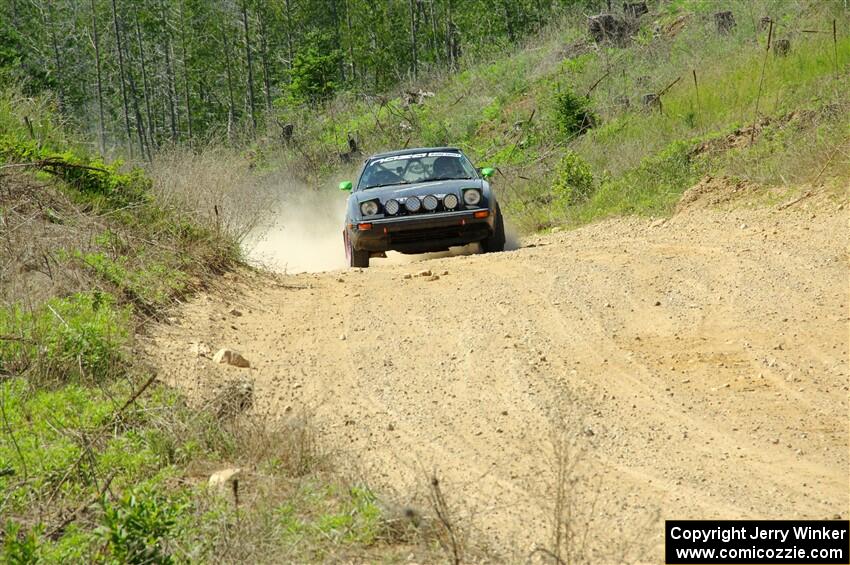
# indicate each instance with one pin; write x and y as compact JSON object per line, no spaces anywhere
{"x":698,"y":368}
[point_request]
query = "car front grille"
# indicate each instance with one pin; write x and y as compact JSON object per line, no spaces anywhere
{"x":427,"y":234}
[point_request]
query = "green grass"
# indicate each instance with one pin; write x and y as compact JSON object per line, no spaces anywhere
{"x":77,"y":338}
{"x":85,"y":476}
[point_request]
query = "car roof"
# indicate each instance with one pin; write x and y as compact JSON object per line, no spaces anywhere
{"x":413,"y":150}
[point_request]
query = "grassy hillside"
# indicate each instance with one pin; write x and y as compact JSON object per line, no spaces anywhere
{"x":522,"y":112}
{"x":98,"y":461}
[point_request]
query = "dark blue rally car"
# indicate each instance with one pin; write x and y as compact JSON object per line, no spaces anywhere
{"x":420,"y":201}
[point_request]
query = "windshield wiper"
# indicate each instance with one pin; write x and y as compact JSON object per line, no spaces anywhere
{"x":450,"y":178}
{"x":388,"y":184}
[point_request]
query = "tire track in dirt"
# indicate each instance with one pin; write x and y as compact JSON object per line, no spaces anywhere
{"x":699,"y":368}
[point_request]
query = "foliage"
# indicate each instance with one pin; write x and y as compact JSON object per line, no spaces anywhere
{"x":573,"y":115}
{"x":160,"y":72}
{"x":151,"y":286}
{"x":653,"y":187}
{"x":78,"y":337}
{"x":100,"y":183}
{"x":19,"y":547}
{"x":137,"y":529}
{"x":314,"y":72}
{"x":574,"y":180}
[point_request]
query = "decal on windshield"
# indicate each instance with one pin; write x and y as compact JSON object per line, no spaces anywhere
{"x":415,"y":156}
{"x":401,"y":157}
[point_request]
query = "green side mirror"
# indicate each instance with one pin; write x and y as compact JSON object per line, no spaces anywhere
{"x":345,"y":185}
{"x":488,"y":172}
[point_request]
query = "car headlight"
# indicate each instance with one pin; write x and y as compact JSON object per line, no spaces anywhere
{"x":412,"y":204}
{"x":450,"y":201}
{"x":430,"y":202}
{"x":369,"y":208}
{"x":391,"y":207}
{"x":471,"y":197}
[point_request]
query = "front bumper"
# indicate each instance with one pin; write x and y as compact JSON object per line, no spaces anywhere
{"x":423,"y":232}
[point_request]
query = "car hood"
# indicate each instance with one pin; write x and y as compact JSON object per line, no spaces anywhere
{"x":402,"y":191}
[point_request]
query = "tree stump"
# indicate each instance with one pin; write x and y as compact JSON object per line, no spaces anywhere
{"x":725,"y":22}
{"x":781,"y":47}
{"x":652,"y":101}
{"x":635,"y":9}
{"x":286,"y":131}
{"x":608,"y":27}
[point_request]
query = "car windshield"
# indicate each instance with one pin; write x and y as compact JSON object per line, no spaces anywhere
{"x":416,"y":167}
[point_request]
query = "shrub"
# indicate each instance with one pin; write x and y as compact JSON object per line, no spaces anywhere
{"x":19,"y":548}
{"x":101,"y":184}
{"x":574,"y":180}
{"x":573,"y":114}
{"x":137,"y":528}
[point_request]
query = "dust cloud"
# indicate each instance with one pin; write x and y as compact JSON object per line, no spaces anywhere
{"x":301,"y":234}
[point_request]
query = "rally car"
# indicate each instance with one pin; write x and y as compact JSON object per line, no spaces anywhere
{"x":420,"y":201}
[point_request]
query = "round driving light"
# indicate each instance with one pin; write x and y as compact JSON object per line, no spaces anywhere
{"x":369,"y":208}
{"x":450,"y":201}
{"x":412,"y":204}
{"x":472,"y":197}
{"x":391,"y":207}
{"x":430,"y":202}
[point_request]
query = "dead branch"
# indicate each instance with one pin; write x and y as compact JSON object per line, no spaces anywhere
{"x":792,"y":202}
{"x":46,"y":163}
{"x":56,"y":531}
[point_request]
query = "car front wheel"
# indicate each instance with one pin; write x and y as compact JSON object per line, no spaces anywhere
{"x":355,"y":257}
{"x":495,"y":242}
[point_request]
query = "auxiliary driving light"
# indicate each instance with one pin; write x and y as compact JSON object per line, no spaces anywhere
{"x":430,"y":202}
{"x":450,"y":201}
{"x":412,"y":204}
{"x":391,"y":207}
{"x":369,"y":208}
{"x":471,"y":197}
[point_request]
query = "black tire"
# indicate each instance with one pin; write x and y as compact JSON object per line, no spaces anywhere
{"x":495,"y":242}
{"x":355,"y":257}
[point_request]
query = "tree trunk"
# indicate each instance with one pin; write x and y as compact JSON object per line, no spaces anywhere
{"x":289,"y":33}
{"x":145,"y":86}
{"x":186,"y":84}
{"x":337,"y":39}
{"x":231,"y":109}
{"x":509,"y":20}
{"x":264,"y":56}
{"x":57,"y":60}
{"x":351,"y":36}
{"x":140,"y":124}
{"x":434,"y":34}
{"x":121,"y":74}
{"x":101,"y":136}
{"x":250,"y":62}
{"x":174,"y":118}
{"x":413,"y":46}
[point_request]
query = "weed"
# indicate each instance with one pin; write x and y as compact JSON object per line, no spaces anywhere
{"x":137,"y":528}
{"x":574,"y":180}
{"x":79,"y":337}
